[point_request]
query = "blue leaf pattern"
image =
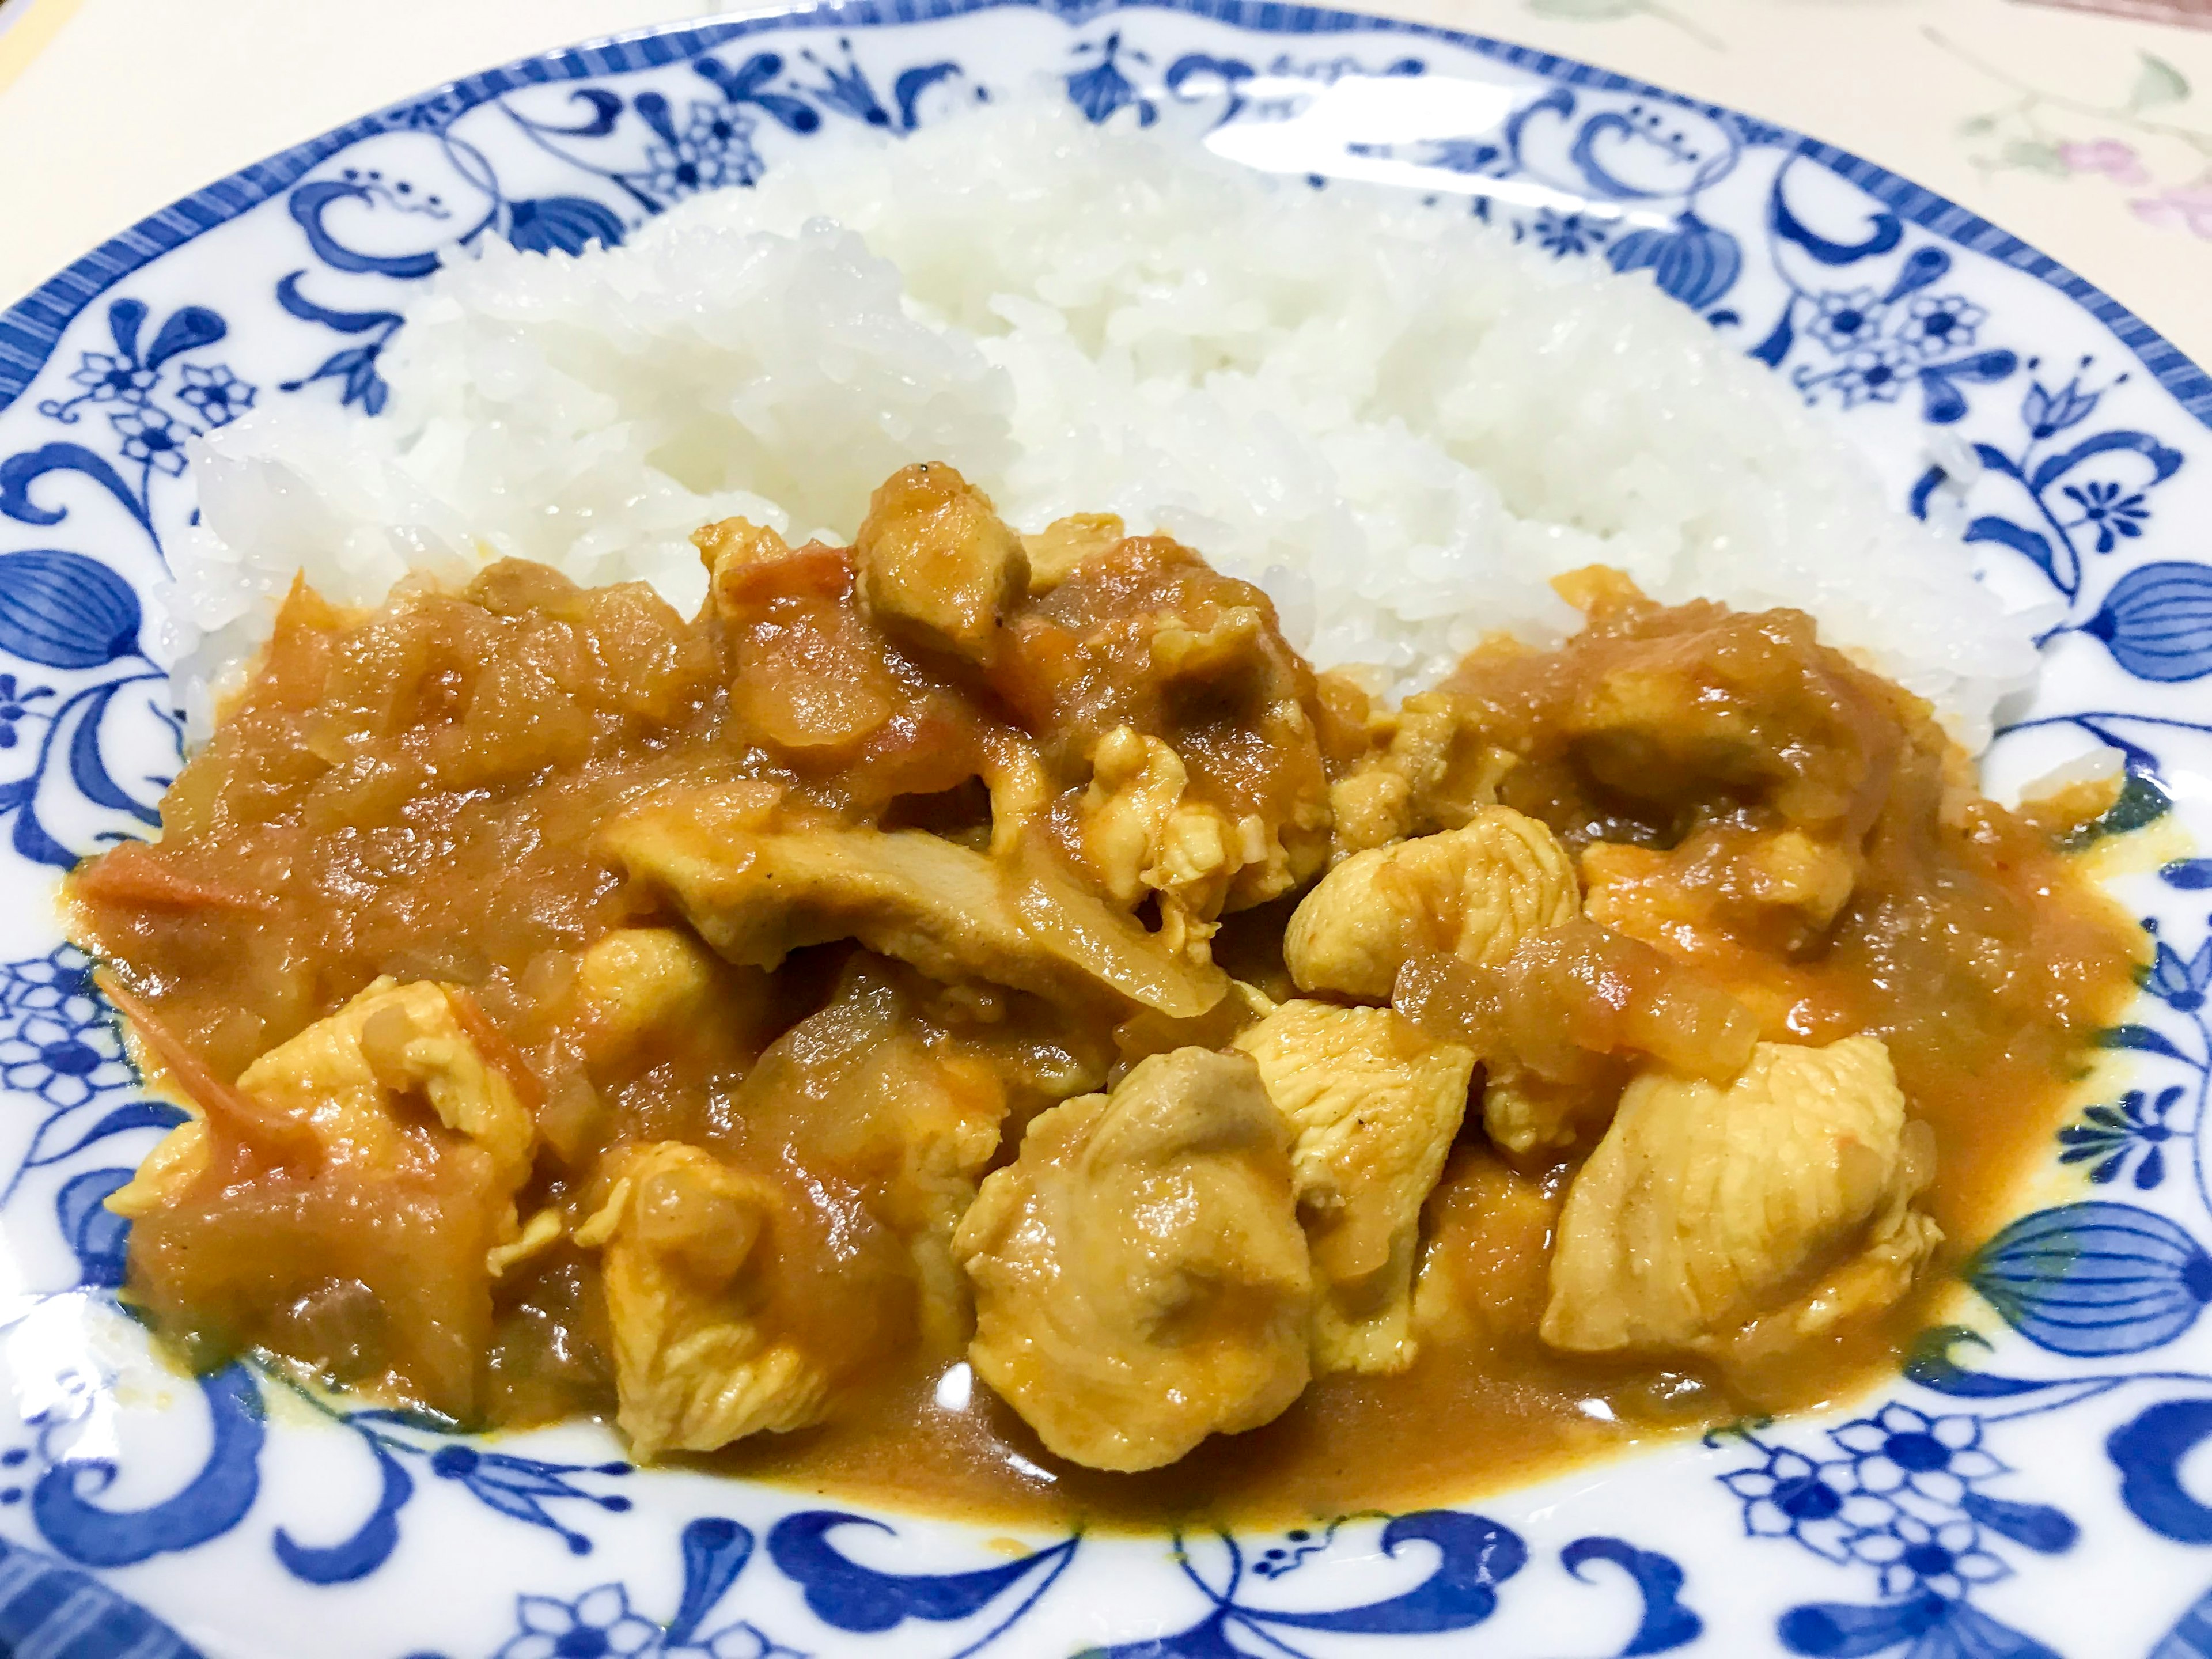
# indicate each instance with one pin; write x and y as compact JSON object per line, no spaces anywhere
{"x":2157,"y":622}
{"x":1860,"y":305}
{"x":2095,"y":1278}
{"x":562,"y":224}
{"x":1694,"y":263}
{"x":2147,"y":1450}
{"x":62,"y":610}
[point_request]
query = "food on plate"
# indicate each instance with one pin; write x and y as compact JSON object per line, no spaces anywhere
{"x":980,"y":1017}
{"x":1026,"y":824}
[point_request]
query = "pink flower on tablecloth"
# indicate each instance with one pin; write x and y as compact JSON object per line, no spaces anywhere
{"x":2178,"y":207}
{"x":2109,"y":157}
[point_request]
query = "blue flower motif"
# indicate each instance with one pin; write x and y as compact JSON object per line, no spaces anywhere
{"x":2179,"y":983}
{"x":217,"y":396}
{"x":13,"y":705}
{"x":114,"y":380}
{"x":520,"y":1487}
{"x":2114,"y":514}
{"x":1936,"y":323}
{"x":2113,"y":1134}
{"x":57,"y":983}
{"x":64,"y":1062}
{"x":716,"y":150}
{"x":1916,"y":1461}
{"x":2046,"y":413}
{"x":1566,"y":234}
{"x":1877,"y":374}
{"x":1101,"y":89}
{"x":1791,"y":1496}
{"x":1914,"y":1556}
{"x":151,"y":438}
{"x":1842,"y":320}
{"x":597,"y":1625}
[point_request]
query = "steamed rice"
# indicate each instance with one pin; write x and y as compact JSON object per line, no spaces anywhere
{"x":1398,"y":421}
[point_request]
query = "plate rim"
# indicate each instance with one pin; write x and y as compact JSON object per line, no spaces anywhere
{"x":1272,"y":25}
{"x":32,"y":327}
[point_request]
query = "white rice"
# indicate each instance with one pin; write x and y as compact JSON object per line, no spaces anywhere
{"x":1398,"y":421}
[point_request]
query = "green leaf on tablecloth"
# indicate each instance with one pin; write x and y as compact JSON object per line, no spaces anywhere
{"x":2034,"y":155}
{"x":1597,"y":11}
{"x":1974,"y":125}
{"x":2158,"y":82}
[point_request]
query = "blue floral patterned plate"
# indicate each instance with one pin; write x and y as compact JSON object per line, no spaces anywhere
{"x":2032,"y":1486}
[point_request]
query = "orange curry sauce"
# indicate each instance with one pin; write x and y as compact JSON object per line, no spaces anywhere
{"x":419,"y":791}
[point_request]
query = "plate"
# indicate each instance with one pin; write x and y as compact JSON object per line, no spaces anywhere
{"x":2032,"y":1486}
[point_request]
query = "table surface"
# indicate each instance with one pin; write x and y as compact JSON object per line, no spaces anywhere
{"x":2084,"y":126}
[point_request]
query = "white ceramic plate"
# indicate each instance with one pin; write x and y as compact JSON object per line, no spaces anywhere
{"x":2031,"y":1488}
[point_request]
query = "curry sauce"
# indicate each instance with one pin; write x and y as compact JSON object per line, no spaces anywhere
{"x":586,"y":1010}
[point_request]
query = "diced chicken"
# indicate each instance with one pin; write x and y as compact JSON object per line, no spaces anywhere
{"x":1723,"y":892}
{"x":1562,"y":1020}
{"x":757,"y":895}
{"x":1142,"y":834}
{"x":1746,"y":710}
{"x":1472,"y":891}
{"x":1374,"y":1105}
{"x":539,"y":1235}
{"x":1140,"y":1278}
{"x":345,"y":1078}
{"x":1021,"y":789}
{"x":638,"y":983}
{"x":1064,"y":544}
{"x":734,"y":551}
{"x":1706,"y":1208}
{"x":861,"y":1092}
{"x":1141,"y":635}
{"x":695,"y":1365}
{"x":937,"y":563}
{"x":1435,"y":772}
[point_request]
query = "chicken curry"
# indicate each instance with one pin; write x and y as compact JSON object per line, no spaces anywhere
{"x":975,"y":1019}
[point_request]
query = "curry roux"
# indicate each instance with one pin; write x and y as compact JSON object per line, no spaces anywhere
{"x":417,"y":792}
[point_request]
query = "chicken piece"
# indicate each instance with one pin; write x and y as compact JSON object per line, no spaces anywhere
{"x":1433,"y":772}
{"x":1705,"y":1207}
{"x":1562,"y":1021}
{"x":1374,"y":1105}
{"x":539,"y":1235}
{"x":638,"y":983}
{"x":695,"y":1366}
{"x":756,"y":894}
{"x":1472,"y":891}
{"x":1142,"y":834}
{"x":1143,"y":635}
{"x":735,"y":551}
{"x":1064,"y":544}
{"x":345,"y":1078}
{"x":906,"y":1115}
{"x":1021,"y":790}
{"x":635,"y":999}
{"x":1140,"y":1278}
{"x":1723,"y":892}
{"x":1746,"y":709}
{"x":937,"y":563}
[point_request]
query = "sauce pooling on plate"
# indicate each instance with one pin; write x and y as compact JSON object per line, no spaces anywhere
{"x":976,"y":1021}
